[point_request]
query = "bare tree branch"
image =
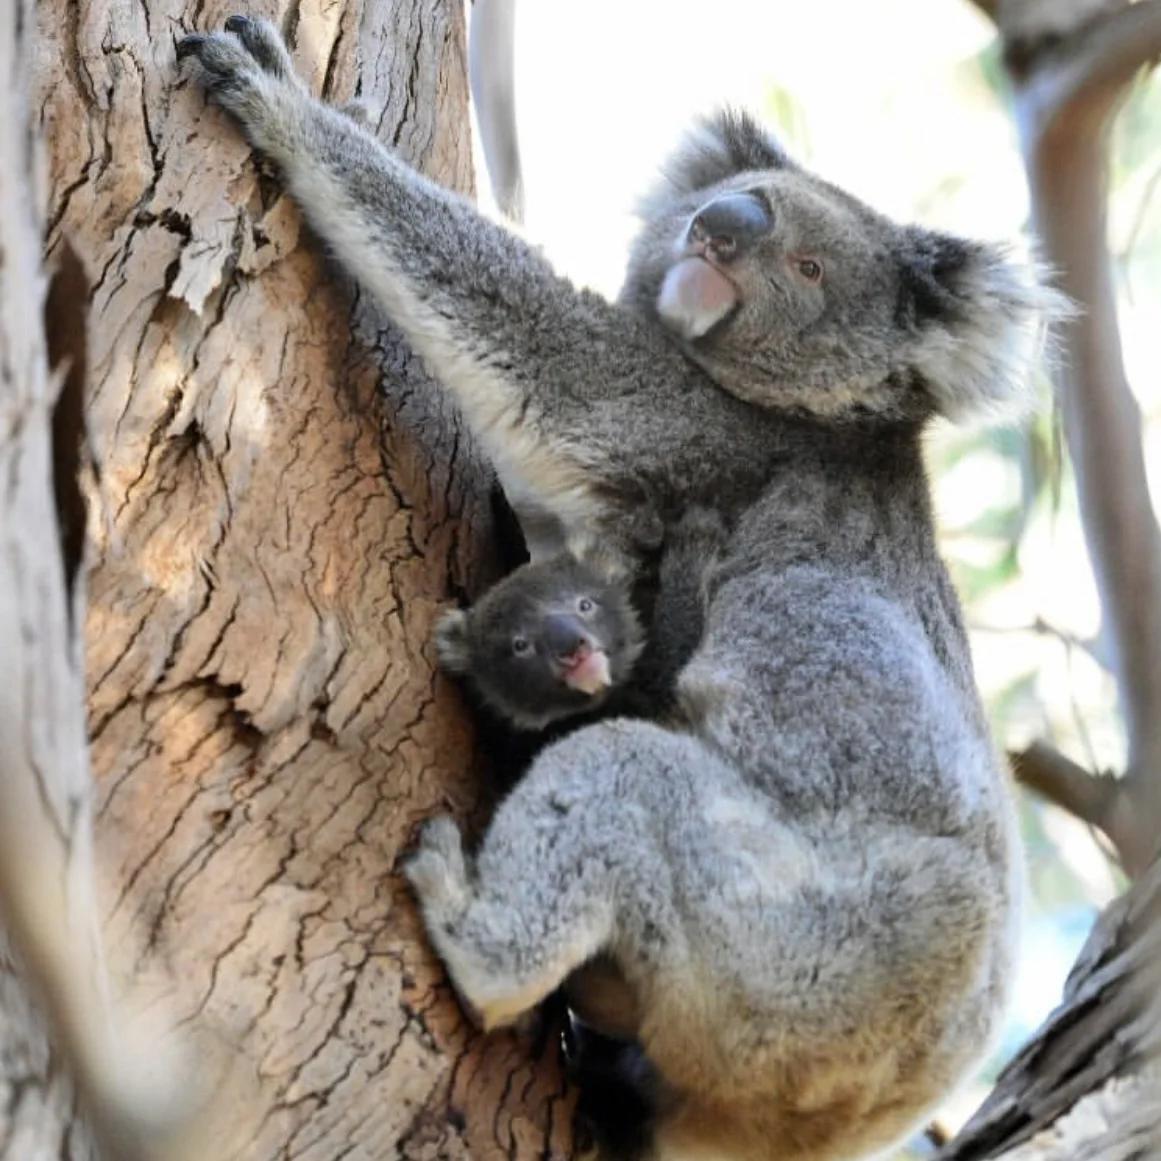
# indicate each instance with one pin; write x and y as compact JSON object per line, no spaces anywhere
{"x":1086,"y":1085}
{"x":987,"y":7}
{"x":1086,"y":74}
{"x":491,"y":61}
{"x":1066,"y":783}
{"x":1102,"y":800}
{"x":1066,"y":87}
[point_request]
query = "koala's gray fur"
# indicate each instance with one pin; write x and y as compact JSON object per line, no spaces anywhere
{"x":809,"y":888}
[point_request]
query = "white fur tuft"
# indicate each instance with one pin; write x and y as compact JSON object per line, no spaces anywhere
{"x":984,"y":362}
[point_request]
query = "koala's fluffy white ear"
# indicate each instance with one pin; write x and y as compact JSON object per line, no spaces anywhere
{"x":980,"y":317}
{"x":725,"y":143}
{"x":451,"y":642}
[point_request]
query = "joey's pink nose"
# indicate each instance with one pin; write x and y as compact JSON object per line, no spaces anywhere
{"x":565,"y":636}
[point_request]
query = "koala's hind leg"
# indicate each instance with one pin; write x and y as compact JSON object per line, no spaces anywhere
{"x":571,"y":866}
{"x":507,"y":943}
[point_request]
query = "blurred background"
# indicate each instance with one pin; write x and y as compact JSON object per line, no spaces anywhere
{"x":906,"y":108}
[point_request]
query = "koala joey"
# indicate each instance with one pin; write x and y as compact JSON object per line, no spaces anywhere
{"x":551,"y":640}
{"x":561,"y":637}
{"x":806,"y":885}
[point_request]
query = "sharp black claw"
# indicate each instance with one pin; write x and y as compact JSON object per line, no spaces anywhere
{"x":237,"y":23}
{"x":189,"y":45}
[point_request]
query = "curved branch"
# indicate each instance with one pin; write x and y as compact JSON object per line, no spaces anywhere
{"x":491,"y":63}
{"x":1086,"y":75}
{"x":1066,"y":91}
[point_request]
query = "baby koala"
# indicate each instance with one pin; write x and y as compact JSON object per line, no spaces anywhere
{"x":551,"y":640}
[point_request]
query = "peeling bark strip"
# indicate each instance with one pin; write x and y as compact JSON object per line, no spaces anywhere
{"x":60,"y":1031}
{"x":283,"y":501}
{"x":44,"y":787}
{"x":46,"y":881}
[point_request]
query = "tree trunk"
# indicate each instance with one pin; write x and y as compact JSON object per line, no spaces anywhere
{"x":280,"y":502}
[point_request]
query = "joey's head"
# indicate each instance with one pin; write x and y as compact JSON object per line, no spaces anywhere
{"x":793,"y":294}
{"x":551,"y":640}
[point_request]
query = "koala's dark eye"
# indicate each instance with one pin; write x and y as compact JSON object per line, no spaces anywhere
{"x":810,"y":269}
{"x":521,"y":646}
{"x":585,"y":605}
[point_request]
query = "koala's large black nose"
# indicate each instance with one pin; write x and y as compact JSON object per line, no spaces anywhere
{"x":730,"y":224}
{"x":563,"y":635}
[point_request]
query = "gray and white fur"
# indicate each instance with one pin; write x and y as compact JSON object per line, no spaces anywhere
{"x":808,"y":889}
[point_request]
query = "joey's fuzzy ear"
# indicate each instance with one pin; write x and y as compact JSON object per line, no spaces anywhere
{"x":451,"y":642}
{"x":979,"y":318}
{"x":725,"y":143}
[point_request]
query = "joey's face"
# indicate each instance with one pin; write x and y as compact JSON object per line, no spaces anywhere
{"x":549,"y":641}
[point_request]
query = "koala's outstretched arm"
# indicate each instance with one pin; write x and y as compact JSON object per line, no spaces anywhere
{"x":525,"y":354}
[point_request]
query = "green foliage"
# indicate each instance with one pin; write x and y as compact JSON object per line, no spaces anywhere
{"x":782,"y":109}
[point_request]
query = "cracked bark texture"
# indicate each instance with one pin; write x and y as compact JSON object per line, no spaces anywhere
{"x":280,"y":501}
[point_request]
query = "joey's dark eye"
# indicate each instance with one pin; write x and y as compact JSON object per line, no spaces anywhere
{"x":810,"y":269}
{"x":521,"y":646}
{"x":585,"y":605}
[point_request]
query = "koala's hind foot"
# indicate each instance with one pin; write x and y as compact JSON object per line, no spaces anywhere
{"x":483,"y":939}
{"x":438,"y":871}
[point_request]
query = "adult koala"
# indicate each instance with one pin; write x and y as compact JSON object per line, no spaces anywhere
{"x":807,"y":890}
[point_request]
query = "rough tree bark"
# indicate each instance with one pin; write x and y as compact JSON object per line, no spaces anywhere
{"x":69,"y":1077}
{"x":280,"y":501}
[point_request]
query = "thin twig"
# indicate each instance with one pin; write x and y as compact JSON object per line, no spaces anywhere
{"x":987,"y":7}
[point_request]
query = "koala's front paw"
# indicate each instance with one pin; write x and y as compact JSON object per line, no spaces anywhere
{"x":243,"y":69}
{"x":438,"y":872}
{"x":264,"y":43}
